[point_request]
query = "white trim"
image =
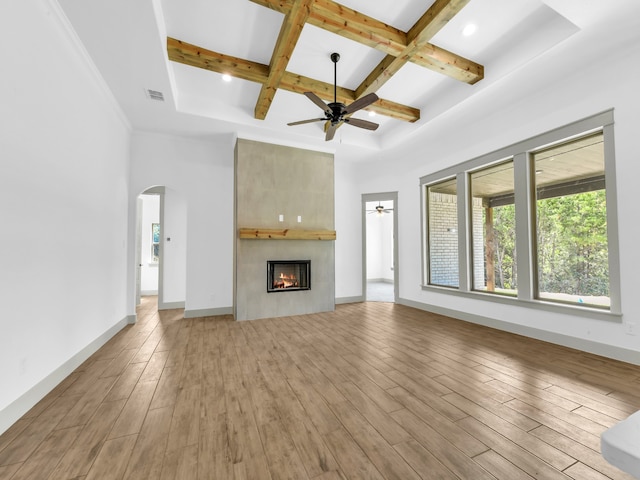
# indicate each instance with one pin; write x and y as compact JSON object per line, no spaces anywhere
{"x":538,"y":305}
{"x":356,"y":299}
{"x":156,"y":190}
{"x":16,"y":409}
{"x":131,"y":319}
{"x":208,"y":312}
{"x":381,"y":197}
{"x":597,"y":348}
{"x":161,"y":255}
{"x":107,"y":94}
{"x":146,"y":293}
{"x":169,"y":305}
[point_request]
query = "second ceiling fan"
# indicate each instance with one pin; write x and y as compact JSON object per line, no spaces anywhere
{"x":337,"y":113}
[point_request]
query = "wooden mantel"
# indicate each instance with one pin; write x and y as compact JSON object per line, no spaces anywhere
{"x":286,"y":234}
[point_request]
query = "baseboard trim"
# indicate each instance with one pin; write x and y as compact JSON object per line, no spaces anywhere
{"x":132,"y":319}
{"x":208,"y":312}
{"x":356,"y":299}
{"x":16,"y":409}
{"x":590,"y":346}
{"x":170,"y":305}
{"x":145,"y":293}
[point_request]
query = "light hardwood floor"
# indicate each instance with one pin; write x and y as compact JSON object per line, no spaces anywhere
{"x":371,"y":391}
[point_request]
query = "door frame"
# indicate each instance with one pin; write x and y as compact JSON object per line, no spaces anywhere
{"x":380,"y":197}
{"x":157,"y":190}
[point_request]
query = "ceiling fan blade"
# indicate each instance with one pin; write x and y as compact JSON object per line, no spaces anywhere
{"x":356,"y":122}
{"x":331,"y":131}
{"x":361,"y":103}
{"x":318,"y":101}
{"x":302,"y":122}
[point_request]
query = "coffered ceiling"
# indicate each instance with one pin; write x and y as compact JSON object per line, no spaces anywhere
{"x":412,"y":53}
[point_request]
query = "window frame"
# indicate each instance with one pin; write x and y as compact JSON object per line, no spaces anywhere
{"x":472,"y":258}
{"x":524,"y":188}
{"x":427,"y":205}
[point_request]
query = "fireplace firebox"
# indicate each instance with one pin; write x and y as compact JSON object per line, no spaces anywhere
{"x":288,"y":275}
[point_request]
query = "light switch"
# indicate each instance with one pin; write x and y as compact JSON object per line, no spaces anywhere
{"x":281,"y":218}
{"x":299,"y":218}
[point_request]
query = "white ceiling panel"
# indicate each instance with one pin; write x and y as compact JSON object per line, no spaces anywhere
{"x":311,"y":57}
{"x":238,"y":28}
{"x":127,"y":41}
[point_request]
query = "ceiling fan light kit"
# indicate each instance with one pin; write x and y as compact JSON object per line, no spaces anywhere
{"x":380,"y":210}
{"x":336,"y":113}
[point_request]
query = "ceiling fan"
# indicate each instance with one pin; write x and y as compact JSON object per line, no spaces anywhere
{"x":380,"y":210}
{"x":338,"y":113}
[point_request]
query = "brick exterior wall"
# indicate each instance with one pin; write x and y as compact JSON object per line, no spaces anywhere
{"x":443,"y":243}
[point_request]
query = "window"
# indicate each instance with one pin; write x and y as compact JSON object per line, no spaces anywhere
{"x":533,"y":223}
{"x":155,"y":242}
{"x":493,"y":221}
{"x":442,"y":205}
{"x":571,"y":222}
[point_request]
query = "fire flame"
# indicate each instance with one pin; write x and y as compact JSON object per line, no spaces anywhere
{"x":285,"y":281}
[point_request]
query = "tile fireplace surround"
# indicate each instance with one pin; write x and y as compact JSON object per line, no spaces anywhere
{"x":273,"y":180}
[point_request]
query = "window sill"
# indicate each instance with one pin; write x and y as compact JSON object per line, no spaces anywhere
{"x":565,"y":309}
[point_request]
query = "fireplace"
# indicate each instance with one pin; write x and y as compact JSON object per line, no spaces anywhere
{"x":288,"y":275}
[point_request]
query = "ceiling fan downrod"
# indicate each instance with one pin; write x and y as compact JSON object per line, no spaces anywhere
{"x":334,"y":58}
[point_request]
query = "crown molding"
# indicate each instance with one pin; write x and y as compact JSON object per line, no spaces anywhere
{"x":64,"y":22}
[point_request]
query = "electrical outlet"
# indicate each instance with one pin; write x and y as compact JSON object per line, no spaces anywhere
{"x":630,"y":328}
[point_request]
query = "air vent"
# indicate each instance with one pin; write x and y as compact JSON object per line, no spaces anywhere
{"x":155,"y":95}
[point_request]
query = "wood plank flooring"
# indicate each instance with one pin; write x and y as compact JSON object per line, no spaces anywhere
{"x":370,"y":391}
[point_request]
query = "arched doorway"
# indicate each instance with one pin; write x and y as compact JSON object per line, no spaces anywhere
{"x":161,"y":231}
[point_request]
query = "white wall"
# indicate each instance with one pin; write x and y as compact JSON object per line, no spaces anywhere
{"x":174,"y":249}
{"x":552,"y":91}
{"x":348,"y":231}
{"x":64,"y":148}
{"x":149,"y":270}
{"x":198,"y":176}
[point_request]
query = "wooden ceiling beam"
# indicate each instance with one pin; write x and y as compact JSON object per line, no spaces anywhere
{"x":368,"y":31}
{"x":436,"y":17}
{"x":300,"y":84}
{"x":287,"y":39}
{"x":182,"y":52}
{"x":349,"y":23}
{"x":188,"y":54}
{"x":447,"y":63}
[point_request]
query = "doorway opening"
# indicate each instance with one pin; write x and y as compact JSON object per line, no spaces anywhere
{"x":150,"y":232}
{"x":148,"y":239}
{"x":380,"y":251}
{"x":161,"y":236}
